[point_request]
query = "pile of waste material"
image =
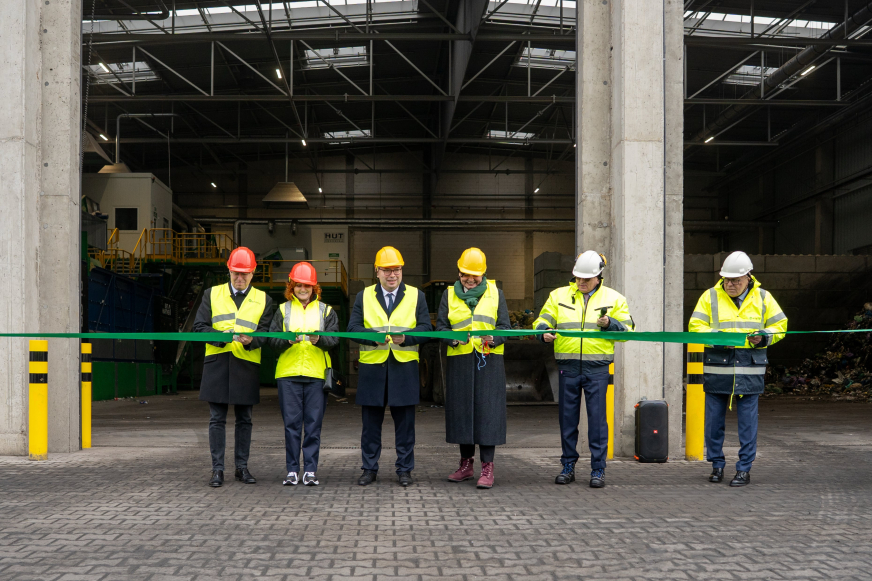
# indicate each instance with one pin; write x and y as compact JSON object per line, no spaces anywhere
{"x":842,"y":371}
{"x":522,"y":319}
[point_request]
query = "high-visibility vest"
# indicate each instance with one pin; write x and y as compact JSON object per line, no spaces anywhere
{"x":743,"y":368}
{"x":403,"y":318}
{"x":303,"y":359}
{"x":565,"y":310}
{"x":226,"y":317}
{"x":482,"y":318}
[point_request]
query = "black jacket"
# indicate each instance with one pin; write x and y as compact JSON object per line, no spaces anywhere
{"x":401,"y":380}
{"x":227,"y":379}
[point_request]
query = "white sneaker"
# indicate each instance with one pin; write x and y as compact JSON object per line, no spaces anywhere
{"x":309,"y":479}
{"x":291,"y":479}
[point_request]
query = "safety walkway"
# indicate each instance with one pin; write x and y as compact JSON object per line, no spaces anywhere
{"x":136,"y":506}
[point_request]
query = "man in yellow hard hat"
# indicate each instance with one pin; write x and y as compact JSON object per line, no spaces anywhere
{"x":388,"y":371}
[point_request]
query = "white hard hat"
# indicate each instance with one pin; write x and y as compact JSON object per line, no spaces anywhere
{"x":588,"y":264}
{"x":737,"y":264}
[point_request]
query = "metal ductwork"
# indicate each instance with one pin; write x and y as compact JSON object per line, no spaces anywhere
{"x":784,"y":73}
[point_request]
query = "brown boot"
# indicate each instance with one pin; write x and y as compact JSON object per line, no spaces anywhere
{"x":487,"y":475}
{"x":464,"y":472}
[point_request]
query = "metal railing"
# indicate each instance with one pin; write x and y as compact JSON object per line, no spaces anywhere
{"x":330,"y":272}
{"x":165,"y":245}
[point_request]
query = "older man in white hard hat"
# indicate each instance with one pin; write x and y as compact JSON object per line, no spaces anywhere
{"x":585,"y":305}
{"x":737,"y":304}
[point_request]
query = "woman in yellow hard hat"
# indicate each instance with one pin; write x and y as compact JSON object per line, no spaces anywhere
{"x":475,"y":389}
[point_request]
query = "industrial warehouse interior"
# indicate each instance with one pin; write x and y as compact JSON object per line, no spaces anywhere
{"x":149,"y":146}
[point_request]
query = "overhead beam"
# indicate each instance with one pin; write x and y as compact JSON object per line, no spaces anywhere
{"x":766,"y":102}
{"x":798,"y":41}
{"x":335,"y":98}
{"x":348,"y":140}
{"x":335,"y":35}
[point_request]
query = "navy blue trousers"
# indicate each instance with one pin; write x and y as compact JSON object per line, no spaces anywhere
{"x":594,"y":388}
{"x":404,"y":435}
{"x":302,"y":401}
{"x":716,"y":405}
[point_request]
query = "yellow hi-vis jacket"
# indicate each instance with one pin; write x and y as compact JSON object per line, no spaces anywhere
{"x":226,"y":317}
{"x":483,"y":318}
{"x":403,"y":318}
{"x":739,"y":370}
{"x":565,"y":310}
{"x":303,"y":359}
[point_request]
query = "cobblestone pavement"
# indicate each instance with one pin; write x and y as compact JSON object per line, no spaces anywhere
{"x":137,"y":507}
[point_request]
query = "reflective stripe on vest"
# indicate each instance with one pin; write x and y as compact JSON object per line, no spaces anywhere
{"x":483,"y":318}
{"x":576,"y":316}
{"x":303,"y":359}
{"x":403,"y":318}
{"x":226,"y":317}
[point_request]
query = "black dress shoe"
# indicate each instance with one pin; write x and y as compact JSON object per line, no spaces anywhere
{"x":717,"y":475}
{"x":741,"y":479}
{"x":217,"y":478}
{"x":244,"y":475}
{"x":405,"y":478}
{"x":367,"y":478}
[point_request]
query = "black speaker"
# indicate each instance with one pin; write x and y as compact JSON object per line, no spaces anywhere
{"x":652,"y":431}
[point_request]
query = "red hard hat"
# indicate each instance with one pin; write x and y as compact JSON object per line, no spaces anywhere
{"x":241,"y":260}
{"x":303,"y":273}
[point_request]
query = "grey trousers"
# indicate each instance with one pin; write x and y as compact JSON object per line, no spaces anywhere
{"x":242,"y":437}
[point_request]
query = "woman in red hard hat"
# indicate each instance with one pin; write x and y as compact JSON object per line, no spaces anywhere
{"x":231,"y":370}
{"x":301,"y":369}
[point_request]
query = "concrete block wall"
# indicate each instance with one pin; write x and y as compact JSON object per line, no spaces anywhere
{"x":817,"y":292}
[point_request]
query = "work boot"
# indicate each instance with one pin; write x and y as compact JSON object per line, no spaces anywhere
{"x":568,"y":474}
{"x":717,"y":475}
{"x":405,"y":478}
{"x":598,"y":478}
{"x":741,"y":479}
{"x":217,"y":478}
{"x":367,"y":478}
{"x":487,"y":475}
{"x":465,"y":471}
{"x":245,"y":476}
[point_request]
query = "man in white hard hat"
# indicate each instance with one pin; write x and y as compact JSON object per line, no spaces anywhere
{"x":589,"y":306}
{"x":737,"y":304}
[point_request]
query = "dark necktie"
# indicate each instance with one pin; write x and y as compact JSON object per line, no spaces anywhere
{"x":390,"y":303}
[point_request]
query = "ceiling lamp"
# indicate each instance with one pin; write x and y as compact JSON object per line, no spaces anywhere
{"x":286,"y":195}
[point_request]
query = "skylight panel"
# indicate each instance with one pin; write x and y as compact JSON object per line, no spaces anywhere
{"x":344,"y":56}
{"x":513,"y":138}
{"x":345,"y":135}
{"x":546,"y":58}
{"x":748,"y":75}
{"x":102,"y":73}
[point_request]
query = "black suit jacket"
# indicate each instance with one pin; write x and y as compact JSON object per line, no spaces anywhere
{"x":399,"y":380}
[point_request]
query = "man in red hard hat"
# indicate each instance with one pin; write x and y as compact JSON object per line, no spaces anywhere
{"x":231,"y":369}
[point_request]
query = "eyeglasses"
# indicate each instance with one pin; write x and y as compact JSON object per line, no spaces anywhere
{"x":397,"y":270}
{"x":733,"y":281}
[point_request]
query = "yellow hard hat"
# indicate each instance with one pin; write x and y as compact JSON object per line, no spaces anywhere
{"x":388,"y":257}
{"x":473,"y":262}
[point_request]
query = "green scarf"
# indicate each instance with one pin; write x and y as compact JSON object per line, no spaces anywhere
{"x":471,"y":296}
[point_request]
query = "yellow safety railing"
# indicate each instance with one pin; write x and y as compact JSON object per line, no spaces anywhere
{"x":163,"y":245}
{"x":330,"y":272}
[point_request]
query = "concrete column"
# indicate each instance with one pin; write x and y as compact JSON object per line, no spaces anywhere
{"x":39,"y":221}
{"x":629,"y":197}
{"x":673,"y":219}
{"x":593,"y":86}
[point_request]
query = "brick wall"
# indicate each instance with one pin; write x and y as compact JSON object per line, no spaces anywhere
{"x":816,"y":292}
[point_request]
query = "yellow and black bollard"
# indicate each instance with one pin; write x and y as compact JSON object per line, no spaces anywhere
{"x":694,"y":438}
{"x":86,"y":395}
{"x":37,"y":405}
{"x":610,"y":411}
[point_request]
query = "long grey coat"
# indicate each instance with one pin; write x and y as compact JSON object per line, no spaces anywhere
{"x":475,"y":399}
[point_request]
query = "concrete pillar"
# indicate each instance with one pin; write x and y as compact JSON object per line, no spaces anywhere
{"x":629,"y":196}
{"x":40,"y":141}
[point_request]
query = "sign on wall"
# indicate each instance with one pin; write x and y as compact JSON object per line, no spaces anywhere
{"x":330,"y":243}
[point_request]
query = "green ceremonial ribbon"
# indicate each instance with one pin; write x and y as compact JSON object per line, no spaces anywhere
{"x":722,"y":339}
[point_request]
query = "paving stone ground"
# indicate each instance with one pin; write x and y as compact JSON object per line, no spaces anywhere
{"x":137,"y":507}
